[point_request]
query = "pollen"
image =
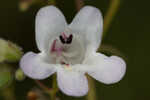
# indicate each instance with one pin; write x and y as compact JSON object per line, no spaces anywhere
{"x":68,"y":67}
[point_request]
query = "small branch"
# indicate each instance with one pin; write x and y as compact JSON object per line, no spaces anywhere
{"x":51,"y":2}
{"x":51,"y":91}
{"x":41,"y":85}
{"x":79,"y":4}
{"x":113,"y":8}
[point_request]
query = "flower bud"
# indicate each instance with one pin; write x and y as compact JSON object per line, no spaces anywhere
{"x":24,"y":5}
{"x":9,"y":51}
{"x":19,"y":75}
{"x":32,"y":95}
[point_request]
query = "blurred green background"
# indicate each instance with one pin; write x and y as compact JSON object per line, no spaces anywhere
{"x":129,"y":32}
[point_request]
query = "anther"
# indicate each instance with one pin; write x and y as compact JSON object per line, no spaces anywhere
{"x":69,"y":39}
{"x":64,"y":35}
{"x":62,"y":39}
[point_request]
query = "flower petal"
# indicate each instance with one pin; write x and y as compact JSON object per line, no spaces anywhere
{"x":106,"y":69}
{"x":89,"y":23}
{"x":33,"y":66}
{"x":71,"y":82}
{"x":50,"y":22}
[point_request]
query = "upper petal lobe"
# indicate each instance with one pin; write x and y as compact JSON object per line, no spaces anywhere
{"x":50,"y":22}
{"x":89,"y":24}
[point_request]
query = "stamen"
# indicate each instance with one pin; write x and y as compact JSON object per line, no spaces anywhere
{"x":65,"y":39}
{"x":64,"y":35}
{"x":58,"y":50}
{"x":61,"y":39}
{"x":53,"y":46}
{"x":69,"y":39}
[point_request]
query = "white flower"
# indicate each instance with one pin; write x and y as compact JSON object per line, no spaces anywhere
{"x":70,"y":51}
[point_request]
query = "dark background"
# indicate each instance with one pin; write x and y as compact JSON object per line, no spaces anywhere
{"x":129,"y":32}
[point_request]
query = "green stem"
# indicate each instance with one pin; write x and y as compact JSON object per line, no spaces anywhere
{"x":91,"y":94}
{"x":51,"y":91}
{"x":113,"y":8}
{"x":54,"y":88}
{"x":79,"y":4}
{"x":108,"y":49}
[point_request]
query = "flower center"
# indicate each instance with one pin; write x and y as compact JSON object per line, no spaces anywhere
{"x":64,"y":39}
{"x":67,"y":49}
